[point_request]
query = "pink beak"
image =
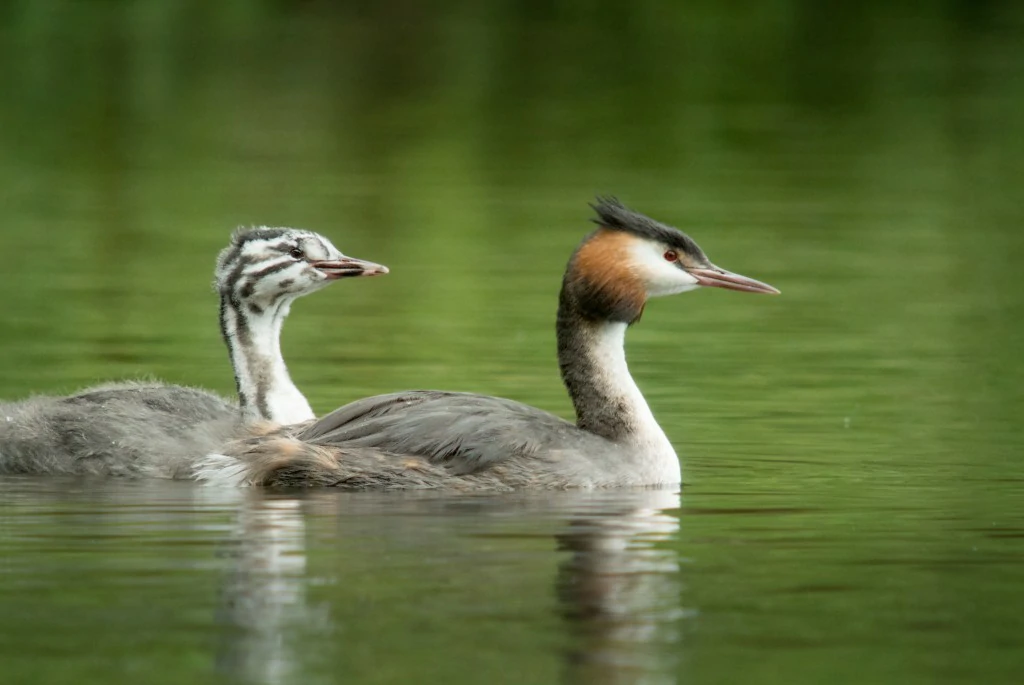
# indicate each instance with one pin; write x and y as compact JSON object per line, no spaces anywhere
{"x":348,"y":266}
{"x":720,"y":278}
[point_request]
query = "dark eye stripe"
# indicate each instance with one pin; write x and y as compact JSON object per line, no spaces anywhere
{"x":267,"y":270}
{"x":251,"y":280}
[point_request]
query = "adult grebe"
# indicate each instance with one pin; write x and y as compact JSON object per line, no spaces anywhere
{"x":428,"y":438}
{"x":154,"y":429}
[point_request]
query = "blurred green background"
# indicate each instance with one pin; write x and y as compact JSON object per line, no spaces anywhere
{"x":865,"y":158}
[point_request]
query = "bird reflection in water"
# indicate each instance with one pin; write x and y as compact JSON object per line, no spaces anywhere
{"x":263,"y":598}
{"x":618,"y":590}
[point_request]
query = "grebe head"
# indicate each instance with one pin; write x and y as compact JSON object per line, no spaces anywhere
{"x":262,"y":265}
{"x":632,"y":257}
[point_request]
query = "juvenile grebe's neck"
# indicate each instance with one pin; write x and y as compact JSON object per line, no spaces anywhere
{"x":253,"y":336}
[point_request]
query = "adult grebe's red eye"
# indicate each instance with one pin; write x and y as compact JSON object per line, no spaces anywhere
{"x":671,"y":255}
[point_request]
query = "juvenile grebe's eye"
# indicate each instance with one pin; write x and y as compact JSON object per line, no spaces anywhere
{"x":671,"y":255}
{"x":296,"y":253}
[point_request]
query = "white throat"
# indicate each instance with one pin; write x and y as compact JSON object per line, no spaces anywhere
{"x":654,"y":452}
{"x":265,"y":390}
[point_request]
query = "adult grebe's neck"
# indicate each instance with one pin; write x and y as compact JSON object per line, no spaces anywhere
{"x":253,"y":336}
{"x":592,"y":359}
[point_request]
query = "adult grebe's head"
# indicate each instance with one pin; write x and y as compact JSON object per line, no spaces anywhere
{"x":632,"y":257}
{"x":262,"y":265}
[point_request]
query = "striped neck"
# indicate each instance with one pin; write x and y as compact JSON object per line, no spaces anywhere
{"x":253,"y":336}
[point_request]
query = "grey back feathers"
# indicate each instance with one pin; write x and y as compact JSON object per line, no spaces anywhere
{"x":422,"y":440}
{"x":123,"y":429}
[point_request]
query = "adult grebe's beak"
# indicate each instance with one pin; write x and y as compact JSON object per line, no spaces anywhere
{"x":348,"y":266}
{"x":713,"y":277}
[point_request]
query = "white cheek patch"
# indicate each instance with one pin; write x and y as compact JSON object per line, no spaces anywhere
{"x":660,"y":276}
{"x":317,"y":247}
{"x":314,"y":249}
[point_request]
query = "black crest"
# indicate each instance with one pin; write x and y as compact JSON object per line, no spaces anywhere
{"x":616,"y":216}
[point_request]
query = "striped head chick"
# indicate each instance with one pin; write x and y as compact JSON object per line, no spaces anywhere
{"x":261,"y":272}
{"x":265,"y":267}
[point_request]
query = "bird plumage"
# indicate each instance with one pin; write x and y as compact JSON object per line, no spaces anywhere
{"x":438,"y":439}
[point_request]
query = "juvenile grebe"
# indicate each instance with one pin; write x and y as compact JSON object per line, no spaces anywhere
{"x":155,"y":429}
{"x":429,"y":438}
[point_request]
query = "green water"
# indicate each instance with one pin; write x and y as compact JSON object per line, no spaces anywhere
{"x":852,"y":451}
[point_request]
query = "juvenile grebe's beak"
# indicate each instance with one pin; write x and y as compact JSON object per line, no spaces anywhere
{"x":713,"y":277}
{"x":348,"y":266}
